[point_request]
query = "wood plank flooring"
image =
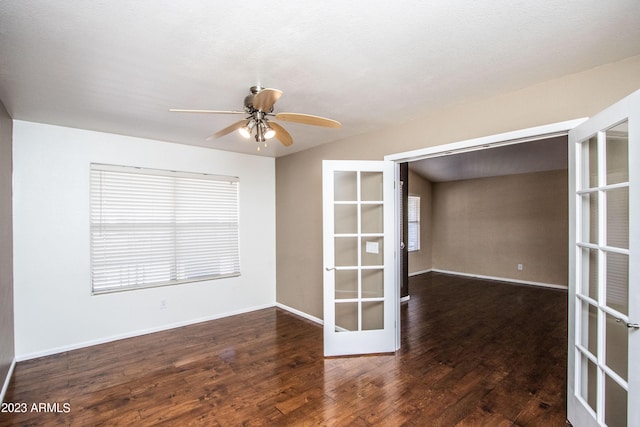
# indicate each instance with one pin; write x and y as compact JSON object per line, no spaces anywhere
{"x":474,"y":352}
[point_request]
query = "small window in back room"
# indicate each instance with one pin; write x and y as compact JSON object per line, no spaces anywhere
{"x":413,"y":214}
{"x":153,"y":227}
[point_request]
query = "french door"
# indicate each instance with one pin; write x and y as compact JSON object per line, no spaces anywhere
{"x":604,"y":283}
{"x":360,"y":296}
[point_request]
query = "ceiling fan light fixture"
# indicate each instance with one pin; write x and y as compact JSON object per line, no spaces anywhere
{"x":245,"y":131}
{"x":268,"y":132}
{"x":258,"y":108}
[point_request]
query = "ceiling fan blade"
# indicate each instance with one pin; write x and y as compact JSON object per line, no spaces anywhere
{"x":228,"y":129}
{"x":282,"y":134}
{"x":179,"y":110}
{"x":265,"y":99}
{"x":308,"y":119}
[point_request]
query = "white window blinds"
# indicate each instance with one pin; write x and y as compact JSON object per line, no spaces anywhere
{"x":413,"y":219}
{"x":153,"y":228}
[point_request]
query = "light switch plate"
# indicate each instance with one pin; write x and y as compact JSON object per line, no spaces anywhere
{"x":371,"y":247}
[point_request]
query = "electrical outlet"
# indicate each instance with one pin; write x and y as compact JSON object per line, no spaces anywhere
{"x":520,"y":267}
{"x":163,"y":304}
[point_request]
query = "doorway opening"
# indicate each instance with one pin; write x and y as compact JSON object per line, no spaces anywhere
{"x":498,"y":213}
{"x":493,"y":209}
{"x":533,"y":155}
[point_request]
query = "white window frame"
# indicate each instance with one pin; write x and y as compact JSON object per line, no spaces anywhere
{"x":153,"y":227}
{"x":413,"y":218}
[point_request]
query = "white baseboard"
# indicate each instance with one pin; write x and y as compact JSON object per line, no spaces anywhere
{"x":61,"y":349}
{"x":7,"y":380}
{"x":300,"y":313}
{"x":416,"y":273}
{"x":502,"y":279}
{"x":405,"y":299}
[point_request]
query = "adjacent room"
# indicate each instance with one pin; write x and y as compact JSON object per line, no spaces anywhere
{"x":498,"y":213}
{"x":164,"y":256}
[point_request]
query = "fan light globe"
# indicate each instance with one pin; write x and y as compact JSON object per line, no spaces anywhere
{"x":270,"y":133}
{"x":245,"y":132}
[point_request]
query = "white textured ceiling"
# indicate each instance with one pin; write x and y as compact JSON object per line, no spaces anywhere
{"x":119,"y":65}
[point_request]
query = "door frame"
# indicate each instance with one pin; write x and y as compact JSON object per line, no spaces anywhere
{"x":476,"y":144}
{"x":491,"y":141}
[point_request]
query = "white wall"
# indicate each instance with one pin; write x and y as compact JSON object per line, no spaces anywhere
{"x":7,"y":355}
{"x":54,"y":308}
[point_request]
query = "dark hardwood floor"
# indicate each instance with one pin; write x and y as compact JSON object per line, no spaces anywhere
{"x":474,"y":352}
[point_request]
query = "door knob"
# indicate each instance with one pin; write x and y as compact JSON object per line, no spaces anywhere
{"x":628,"y":324}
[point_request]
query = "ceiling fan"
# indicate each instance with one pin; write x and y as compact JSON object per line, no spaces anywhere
{"x":258,"y":109}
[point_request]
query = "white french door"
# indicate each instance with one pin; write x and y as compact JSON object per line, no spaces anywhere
{"x":604,"y":283}
{"x":360,"y":296}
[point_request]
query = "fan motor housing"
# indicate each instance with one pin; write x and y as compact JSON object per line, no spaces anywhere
{"x":248,"y":100}
{"x":248,"y":103}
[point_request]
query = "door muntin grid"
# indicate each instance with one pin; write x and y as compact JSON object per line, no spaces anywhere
{"x":359,"y":251}
{"x":602,"y":256}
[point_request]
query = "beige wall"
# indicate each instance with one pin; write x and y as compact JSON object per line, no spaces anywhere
{"x":298,"y":176}
{"x":6,"y":246}
{"x":487,"y":226}
{"x":421,"y":260}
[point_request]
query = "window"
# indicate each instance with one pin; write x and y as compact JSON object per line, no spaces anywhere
{"x":413,"y":214}
{"x":153,"y":228}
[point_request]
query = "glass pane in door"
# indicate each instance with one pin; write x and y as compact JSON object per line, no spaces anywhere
{"x":618,"y":153}
{"x":372,"y":251}
{"x":615,"y":411}
{"x":617,"y":346}
{"x":589,"y":265}
{"x":589,"y":209}
{"x":372,"y":315}
{"x":618,"y":217}
{"x":588,"y":381}
{"x":372,"y":218}
{"x":617,"y":295}
{"x":346,"y":251}
{"x":345,"y":186}
{"x":346,"y":284}
{"x":371,"y":186}
{"x":589,"y":322}
{"x":589,"y":164}
{"x":373,"y":283}
{"x":346,"y":316}
{"x":345,"y":218}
